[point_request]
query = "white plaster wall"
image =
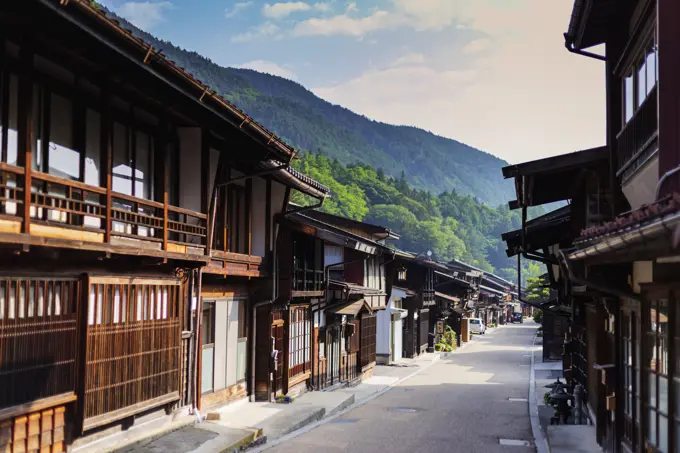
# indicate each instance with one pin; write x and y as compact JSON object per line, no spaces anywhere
{"x":382,"y":339}
{"x":643,"y":272}
{"x":232,"y":342}
{"x":190,"y":168}
{"x":212,"y":172}
{"x":398,"y":345}
{"x":278,"y":194}
{"x":641,"y":187}
{"x":221,"y":313}
{"x":259,"y":205}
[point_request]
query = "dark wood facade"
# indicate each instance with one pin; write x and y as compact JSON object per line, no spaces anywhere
{"x":135,"y":207}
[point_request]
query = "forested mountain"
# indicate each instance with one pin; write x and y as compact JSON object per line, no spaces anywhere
{"x":439,"y":194}
{"x":311,"y":124}
{"x":451,"y":225}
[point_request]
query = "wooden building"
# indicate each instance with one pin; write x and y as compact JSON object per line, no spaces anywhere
{"x":132,"y":200}
{"x":618,"y":271}
{"x":321,"y":329}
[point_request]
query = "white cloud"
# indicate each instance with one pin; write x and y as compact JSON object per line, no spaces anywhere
{"x":409,"y":59}
{"x":477,"y":45}
{"x":237,"y":8}
{"x":265,"y":30}
{"x":269,"y":67}
{"x":526,"y":98}
{"x":144,"y":15}
{"x":344,"y":24}
{"x":280,"y":10}
{"x":430,"y":14}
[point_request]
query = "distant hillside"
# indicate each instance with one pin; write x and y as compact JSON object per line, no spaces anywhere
{"x":309,"y":123}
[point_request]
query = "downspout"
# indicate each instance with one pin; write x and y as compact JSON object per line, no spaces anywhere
{"x":595,"y":285}
{"x":275,"y":295}
{"x":569,"y":44}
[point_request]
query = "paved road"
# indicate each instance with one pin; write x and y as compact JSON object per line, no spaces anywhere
{"x":458,"y":405}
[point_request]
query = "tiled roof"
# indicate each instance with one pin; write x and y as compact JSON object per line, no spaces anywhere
{"x":637,"y":218}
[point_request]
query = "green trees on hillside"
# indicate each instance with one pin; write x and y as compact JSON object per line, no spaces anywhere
{"x":450,"y":225}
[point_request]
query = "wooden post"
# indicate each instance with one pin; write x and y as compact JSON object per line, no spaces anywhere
{"x":249,"y":215}
{"x":268,"y":219}
{"x":107,"y":153}
{"x":26,"y":137}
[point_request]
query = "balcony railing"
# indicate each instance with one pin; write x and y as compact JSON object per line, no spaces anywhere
{"x":639,"y":132}
{"x":110,"y":217}
{"x":308,"y":280}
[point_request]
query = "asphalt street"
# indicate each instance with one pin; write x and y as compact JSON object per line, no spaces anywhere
{"x":460,"y":404}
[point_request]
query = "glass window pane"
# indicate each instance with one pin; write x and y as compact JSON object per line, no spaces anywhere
{"x":652,"y":390}
{"x":207,"y":368}
{"x":12,"y":134}
{"x":642,"y":86}
{"x":143,"y":179}
{"x":663,"y":394}
{"x":651,"y":428}
{"x":122,"y":165}
{"x":663,"y":434}
{"x":651,"y":69}
{"x":64,"y":160}
{"x":92,"y":148}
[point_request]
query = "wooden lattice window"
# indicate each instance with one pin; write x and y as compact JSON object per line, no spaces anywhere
{"x":299,"y":341}
{"x":133,"y":338}
{"x":368,"y":334}
{"x":38,"y":329}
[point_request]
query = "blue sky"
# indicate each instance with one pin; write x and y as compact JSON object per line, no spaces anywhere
{"x":491,"y":73}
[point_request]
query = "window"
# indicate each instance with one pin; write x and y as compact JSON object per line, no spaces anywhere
{"x":639,"y":83}
{"x":208,"y":341}
{"x":631,"y":376}
{"x":299,"y":344}
{"x":9,"y":90}
{"x":656,"y":351}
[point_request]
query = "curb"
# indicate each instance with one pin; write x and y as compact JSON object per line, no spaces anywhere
{"x":540,"y":440}
{"x":254,"y":439}
{"x":337,"y":414}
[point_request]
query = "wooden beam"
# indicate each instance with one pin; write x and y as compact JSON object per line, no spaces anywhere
{"x":268,"y":218}
{"x":249,"y":215}
{"x":205,"y":170}
{"x":106,"y":138}
{"x":26,"y":133}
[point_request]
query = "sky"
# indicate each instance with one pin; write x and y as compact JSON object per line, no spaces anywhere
{"x":493,"y":74}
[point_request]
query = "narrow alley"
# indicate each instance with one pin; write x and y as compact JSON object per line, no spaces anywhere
{"x":461,"y":404}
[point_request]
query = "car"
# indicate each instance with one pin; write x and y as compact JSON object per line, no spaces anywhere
{"x":477,"y":326}
{"x":517,"y":317}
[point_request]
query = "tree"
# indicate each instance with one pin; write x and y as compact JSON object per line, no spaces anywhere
{"x":537,"y":289}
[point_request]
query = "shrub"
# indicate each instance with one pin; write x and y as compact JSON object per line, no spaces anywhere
{"x":538,"y":316}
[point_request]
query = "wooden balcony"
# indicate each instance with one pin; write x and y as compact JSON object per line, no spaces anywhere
{"x":634,"y":144}
{"x":69,"y":214}
{"x":237,"y":264}
{"x":308,"y":283}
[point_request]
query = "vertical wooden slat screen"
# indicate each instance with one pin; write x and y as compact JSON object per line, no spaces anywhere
{"x":368,"y":334}
{"x":133,"y":347}
{"x":38,"y":338}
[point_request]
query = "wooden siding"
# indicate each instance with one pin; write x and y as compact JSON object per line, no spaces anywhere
{"x":40,"y":431}
{"x":132,"y":347}
{"x":38,"y":339}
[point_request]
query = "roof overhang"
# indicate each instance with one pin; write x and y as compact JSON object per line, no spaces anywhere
{"x":352,"y":308}
{"x":555,"y":178}
{"x":447,"y":297}
{"x":591,"y":21}
{"x":541,"y":232}
{"x":291,"y":177}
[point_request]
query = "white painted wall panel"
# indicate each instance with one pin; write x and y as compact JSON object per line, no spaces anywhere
{"x":190,"y":168}
{"x":221,"y":312}
{"x":232,"y":342}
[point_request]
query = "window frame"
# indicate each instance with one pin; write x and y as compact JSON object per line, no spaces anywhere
{"x":638,"y":62}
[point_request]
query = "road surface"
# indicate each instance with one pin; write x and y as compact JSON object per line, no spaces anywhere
{"x":460,"y":404}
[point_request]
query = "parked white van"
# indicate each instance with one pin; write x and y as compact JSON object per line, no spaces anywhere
{"x":477,"y":326}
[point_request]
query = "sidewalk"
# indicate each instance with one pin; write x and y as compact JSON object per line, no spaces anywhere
{"x":241,"y":425}
{"x":555,"y":438}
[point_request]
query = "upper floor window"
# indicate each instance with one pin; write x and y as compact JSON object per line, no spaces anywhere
{"x":640,"y":79}
{"x":9,"y":89}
